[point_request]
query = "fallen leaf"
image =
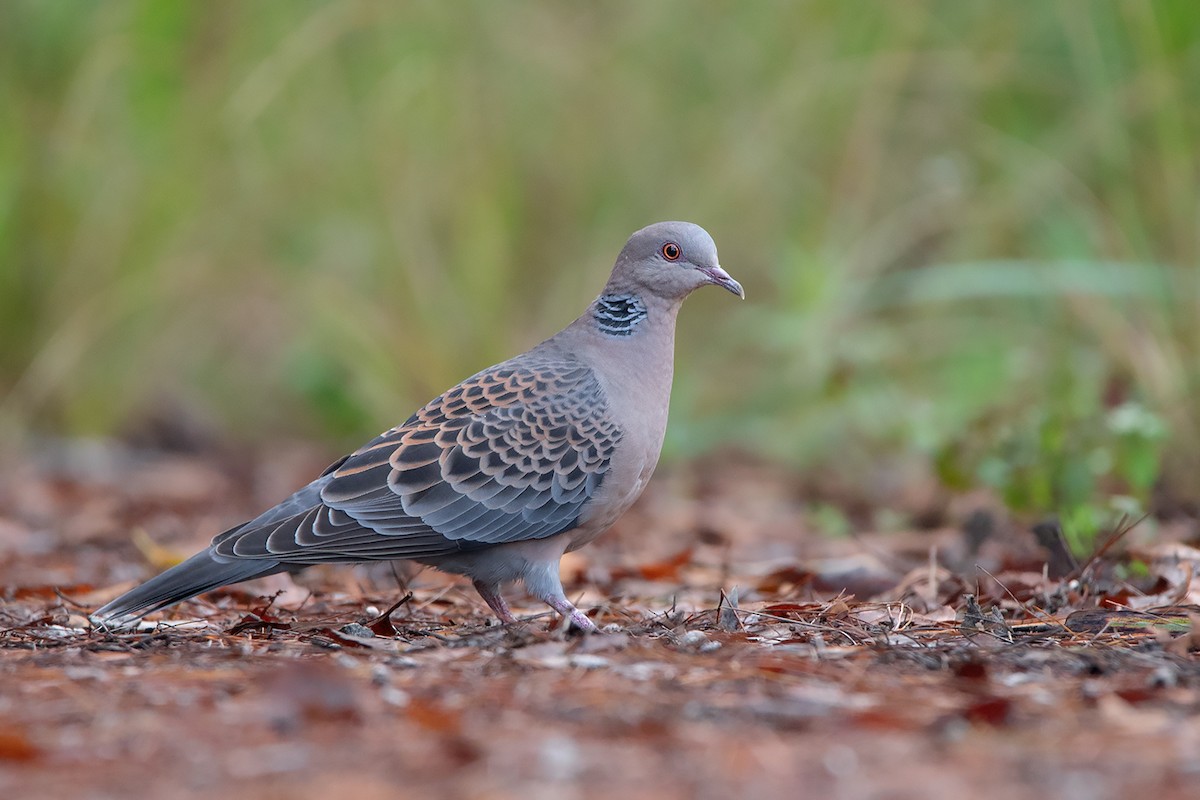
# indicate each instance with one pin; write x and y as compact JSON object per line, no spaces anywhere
{"x":15,"y":746}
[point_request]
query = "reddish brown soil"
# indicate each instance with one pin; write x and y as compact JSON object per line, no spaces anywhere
{"x":887,"y":666}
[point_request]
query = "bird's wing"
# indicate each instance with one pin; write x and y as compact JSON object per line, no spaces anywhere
{"x":513,"y":453}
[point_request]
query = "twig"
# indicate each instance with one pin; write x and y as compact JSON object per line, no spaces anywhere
{"x":391,"y":610}
{"x":1024,"y":607}
{"x":1120,"y":532}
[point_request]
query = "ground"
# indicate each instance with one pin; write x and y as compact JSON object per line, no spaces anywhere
{"x":744,"y":654}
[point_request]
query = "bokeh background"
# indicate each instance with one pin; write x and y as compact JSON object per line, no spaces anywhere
{"x":969,"y":231}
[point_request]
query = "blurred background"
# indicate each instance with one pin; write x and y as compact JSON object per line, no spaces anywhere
{"x":969,"y":232}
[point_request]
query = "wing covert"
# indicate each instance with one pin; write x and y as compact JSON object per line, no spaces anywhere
{"x":512,"y":453}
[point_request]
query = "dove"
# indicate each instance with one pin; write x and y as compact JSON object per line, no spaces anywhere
{"x":498,"y":477}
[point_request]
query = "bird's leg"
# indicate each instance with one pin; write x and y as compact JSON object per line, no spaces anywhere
{"x":562,"y":605}
{"x":543,"y":582}
{"x":491,"y":596}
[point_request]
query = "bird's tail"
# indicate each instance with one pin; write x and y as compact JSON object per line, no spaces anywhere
{"x":201,"y":573}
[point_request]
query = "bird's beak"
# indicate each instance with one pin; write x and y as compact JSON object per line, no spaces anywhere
{"x":719,"y":277}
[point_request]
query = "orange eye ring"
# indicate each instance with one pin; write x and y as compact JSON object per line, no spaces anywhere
{"x":671,"y":251}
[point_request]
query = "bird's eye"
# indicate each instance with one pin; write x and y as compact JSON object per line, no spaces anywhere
{"x":671,"y":251}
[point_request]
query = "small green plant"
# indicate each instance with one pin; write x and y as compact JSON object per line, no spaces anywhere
{"x":1085,"y":465}
{"x":829,"y":520}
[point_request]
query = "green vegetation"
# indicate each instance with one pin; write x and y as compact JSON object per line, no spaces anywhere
{"x":968,"y":230}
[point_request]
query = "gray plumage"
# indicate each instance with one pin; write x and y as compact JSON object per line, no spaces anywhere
{"x":498,"y":477}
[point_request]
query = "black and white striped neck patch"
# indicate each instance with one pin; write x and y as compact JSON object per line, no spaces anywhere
{"x":619,"y":314}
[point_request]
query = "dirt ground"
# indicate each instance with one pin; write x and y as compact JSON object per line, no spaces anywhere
{"x":744,"y":653}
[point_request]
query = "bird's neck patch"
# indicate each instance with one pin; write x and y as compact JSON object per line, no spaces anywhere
{"x":619,"y":314}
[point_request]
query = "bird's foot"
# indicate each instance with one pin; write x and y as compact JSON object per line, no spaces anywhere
{"x":576,"y":617}
{"x":559,"y":603}
{"x":495,"y":602}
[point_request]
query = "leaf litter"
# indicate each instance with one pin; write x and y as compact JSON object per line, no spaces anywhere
{"x":741,"y":654}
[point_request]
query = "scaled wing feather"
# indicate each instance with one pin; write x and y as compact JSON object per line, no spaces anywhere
{"x":512,"y":453}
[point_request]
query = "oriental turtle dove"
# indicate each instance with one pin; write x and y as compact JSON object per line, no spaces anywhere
{"x":501,"y":475}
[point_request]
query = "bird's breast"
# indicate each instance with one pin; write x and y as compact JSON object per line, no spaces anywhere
{"x":643,"y":427}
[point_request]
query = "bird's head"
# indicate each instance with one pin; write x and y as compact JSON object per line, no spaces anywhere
{"x":671,"y":260}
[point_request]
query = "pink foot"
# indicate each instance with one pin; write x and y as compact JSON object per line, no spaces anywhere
{"x":495,"y":602}
{"x":579,"y":619}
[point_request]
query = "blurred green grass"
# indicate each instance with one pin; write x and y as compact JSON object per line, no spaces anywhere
{"x":955,"y":220}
